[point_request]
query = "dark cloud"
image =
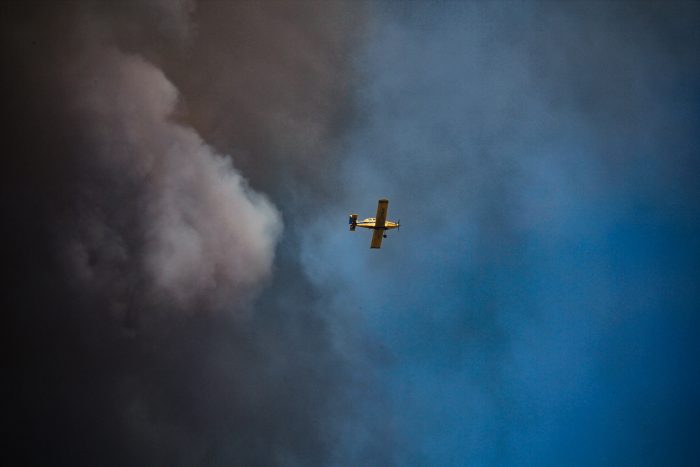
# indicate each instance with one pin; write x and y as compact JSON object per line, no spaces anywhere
{"x":151,"y":151}
{"x":280,"y":96}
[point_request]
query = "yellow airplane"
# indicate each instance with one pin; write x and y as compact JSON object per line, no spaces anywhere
{"x":379,"y":223}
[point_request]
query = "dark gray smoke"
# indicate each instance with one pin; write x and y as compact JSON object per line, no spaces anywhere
{"x":151,"y":153}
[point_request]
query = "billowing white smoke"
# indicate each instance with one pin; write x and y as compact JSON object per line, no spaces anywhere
{"x":165,"y":217}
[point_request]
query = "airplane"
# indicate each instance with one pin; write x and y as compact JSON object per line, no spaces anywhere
{"x":379,"y":223}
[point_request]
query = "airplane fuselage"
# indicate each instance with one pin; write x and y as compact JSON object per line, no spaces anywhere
{"x":370,"y":223}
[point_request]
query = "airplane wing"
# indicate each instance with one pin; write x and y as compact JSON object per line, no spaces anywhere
{"x":380,"y":220}
{"x":382,"y":208}
{"x":377,"y":236}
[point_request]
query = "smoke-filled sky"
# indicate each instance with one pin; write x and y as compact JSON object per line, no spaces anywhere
{"x":183,"y":289}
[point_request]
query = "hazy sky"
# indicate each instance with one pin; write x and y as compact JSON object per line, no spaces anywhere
{"x":184,"y":290}
{"x":540,"y":303}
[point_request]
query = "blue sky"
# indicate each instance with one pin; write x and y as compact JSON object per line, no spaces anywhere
{"x":539,"y":306}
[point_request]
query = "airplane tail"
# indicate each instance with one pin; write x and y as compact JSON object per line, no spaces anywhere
{"x":353,"y":222}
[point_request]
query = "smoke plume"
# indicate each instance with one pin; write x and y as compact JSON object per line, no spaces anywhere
{"x":151,"y":152}
{"x":199,"y":233}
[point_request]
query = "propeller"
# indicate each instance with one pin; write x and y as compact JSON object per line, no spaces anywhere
{"x":399,"y":226}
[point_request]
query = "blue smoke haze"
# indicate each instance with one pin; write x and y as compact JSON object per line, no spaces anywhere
{"x":540,"y":304}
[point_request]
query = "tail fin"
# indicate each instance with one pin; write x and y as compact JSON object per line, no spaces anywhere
{"x":353,"y":222}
